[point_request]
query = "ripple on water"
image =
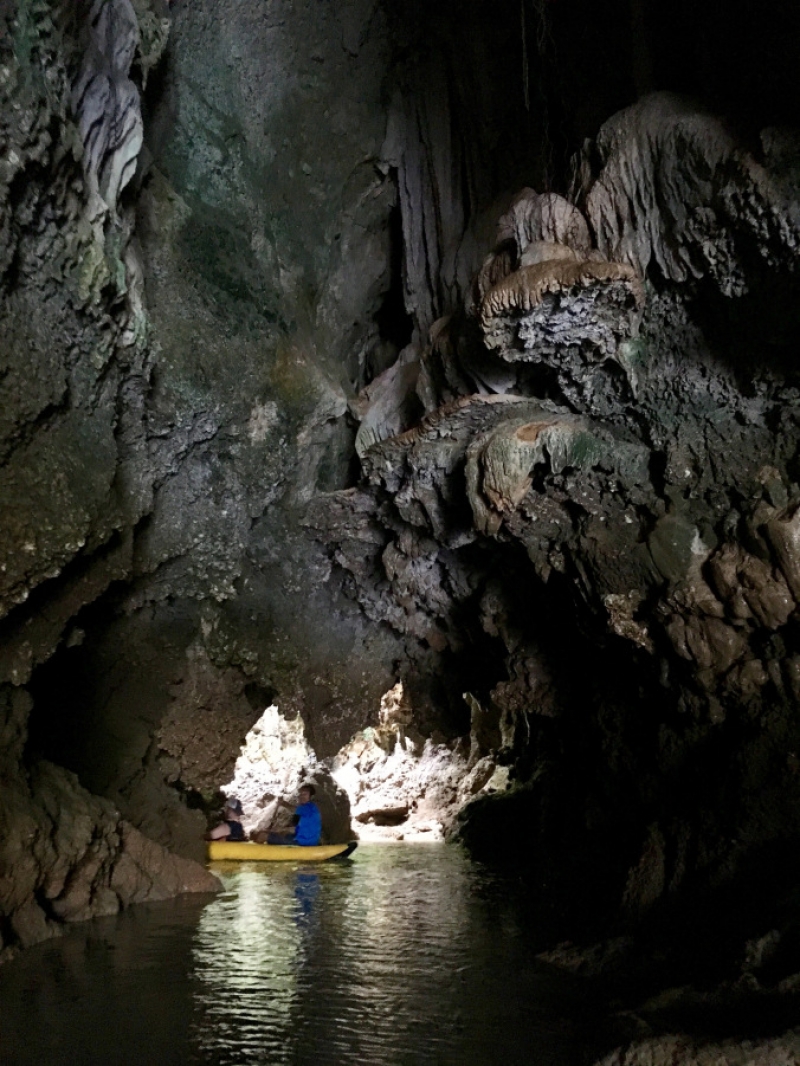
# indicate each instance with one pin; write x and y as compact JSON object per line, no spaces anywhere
{"x":405,"y":954}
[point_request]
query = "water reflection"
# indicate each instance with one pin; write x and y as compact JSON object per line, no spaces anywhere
{"x":306,"y":890}
{"x":392,"y":958}
{"x":111,"y":992}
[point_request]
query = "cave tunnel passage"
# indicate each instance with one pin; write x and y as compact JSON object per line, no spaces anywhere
{"x":653,"y":787}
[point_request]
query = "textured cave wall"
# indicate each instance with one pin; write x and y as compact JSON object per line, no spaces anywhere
{"x":205,"y":219}
{"x":618,"y":400}
{"x":75,"y":369}
{"x":276,"y":205}
{"x":263,"y":230}
{"x":638,"y":658}
{"x":238,"y":250}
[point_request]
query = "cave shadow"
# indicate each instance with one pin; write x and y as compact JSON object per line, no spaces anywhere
{"x":573,"y":823}
{"x":754,"y":335}
{"x":684,"y":967}
{"x":72,"y":689}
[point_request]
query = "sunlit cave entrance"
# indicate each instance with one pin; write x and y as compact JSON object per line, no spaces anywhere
{"x":393,"y":783}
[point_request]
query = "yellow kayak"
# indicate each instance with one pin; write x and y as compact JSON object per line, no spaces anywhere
{"x":247,"y":851}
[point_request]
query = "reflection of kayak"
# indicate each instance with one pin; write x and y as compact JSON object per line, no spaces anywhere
{"x":247,"y":851}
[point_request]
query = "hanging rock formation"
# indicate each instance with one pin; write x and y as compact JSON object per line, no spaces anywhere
{"x":667,"y":185}
{"x":620,"y":468}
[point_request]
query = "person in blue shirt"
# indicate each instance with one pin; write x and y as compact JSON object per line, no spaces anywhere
{"x":307,"y":829}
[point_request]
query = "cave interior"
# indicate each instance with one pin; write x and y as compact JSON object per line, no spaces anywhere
{"x":450,"y":346}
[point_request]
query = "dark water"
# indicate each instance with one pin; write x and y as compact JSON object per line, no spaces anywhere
{"x":404,"y":954}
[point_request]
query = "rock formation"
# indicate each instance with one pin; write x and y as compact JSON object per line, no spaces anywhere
{"x":621,"y":474}
{"x":167,"y":380}
{"x":67,"y":855}
{"x":679,"y":1049}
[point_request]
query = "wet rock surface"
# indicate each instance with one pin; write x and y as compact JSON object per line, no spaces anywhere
{"x":68,"y":855}
{"x":780,"y":1052}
